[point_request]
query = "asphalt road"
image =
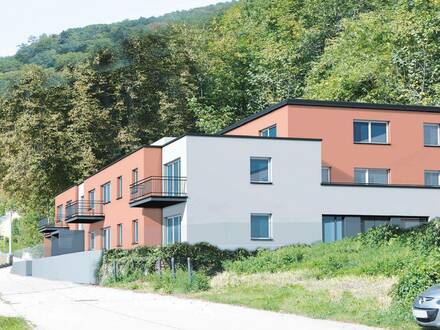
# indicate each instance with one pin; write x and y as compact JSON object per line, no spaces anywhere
{"x":61,"y":305}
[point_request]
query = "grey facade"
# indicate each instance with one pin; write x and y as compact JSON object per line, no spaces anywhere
{"x":67,"y":241}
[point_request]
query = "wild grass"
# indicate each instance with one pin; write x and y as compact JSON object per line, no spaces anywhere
{"x":13,"y":323}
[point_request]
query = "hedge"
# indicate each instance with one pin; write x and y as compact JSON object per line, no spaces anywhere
{"x":135,"y":263}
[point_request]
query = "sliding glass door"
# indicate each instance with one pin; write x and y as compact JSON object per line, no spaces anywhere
{"x":172,"y":182}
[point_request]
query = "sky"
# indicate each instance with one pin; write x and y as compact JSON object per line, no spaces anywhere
{"x":20,"y":19}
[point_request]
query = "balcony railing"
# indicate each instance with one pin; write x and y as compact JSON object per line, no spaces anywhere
{"x":45,"y":222}
{"x":158,"y":191}
{"x":84,"y":210}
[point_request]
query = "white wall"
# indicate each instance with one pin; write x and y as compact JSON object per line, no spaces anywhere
{"x":221,"y":197}
{"x":370,"y":200}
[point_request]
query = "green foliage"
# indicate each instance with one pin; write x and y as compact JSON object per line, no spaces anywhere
{"x":414,"y":280}
{"x":379,"y":235}
{"x":269,"y":261}
{"x":167,"y":283}
{"x":13,"y":323}
{"x":130,"y":265}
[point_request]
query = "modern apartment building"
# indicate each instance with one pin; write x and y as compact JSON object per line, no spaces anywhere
{"x":298,"y":172}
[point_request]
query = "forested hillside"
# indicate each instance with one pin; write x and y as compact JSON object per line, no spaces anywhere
{"x":70,"y":103}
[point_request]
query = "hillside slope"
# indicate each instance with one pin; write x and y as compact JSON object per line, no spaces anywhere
{"x":74,"y":45}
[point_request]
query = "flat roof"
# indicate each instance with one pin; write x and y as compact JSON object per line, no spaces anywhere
{"x":332,"y":104}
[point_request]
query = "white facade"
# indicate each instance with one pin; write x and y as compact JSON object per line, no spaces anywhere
{"x":221,"y":197}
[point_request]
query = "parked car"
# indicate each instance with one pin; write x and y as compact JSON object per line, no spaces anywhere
{"x":426,"y":308}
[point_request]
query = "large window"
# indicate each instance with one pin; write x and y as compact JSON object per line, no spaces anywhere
{"x":260,"y":170}
{"x":431,"y":134}
{"x":260,"y":226}
{"x":92,"y":199}
{"x":59,"y":213}
{"x":432,"y":178}
{"x":120,"y":234}
{"x":105,"y":190}
{"x":135,"y":226}
{"x":370,"y":132}
{"x":92,"y":240}
{"x":333,"y":228}
{"x":325,"y":174}
{"x":269,"y":131}
{"x":173,"y":229}
{"x":336,"y":227}
{"x":173,"y":180}
{"x":119,"y":187}
{"x":371,"y":176}
{"x":106,"y":238}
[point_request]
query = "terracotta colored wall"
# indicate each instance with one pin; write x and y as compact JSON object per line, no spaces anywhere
{"x":63,"y":198}
{"x":149,"y":163}
{"x":47,"y":244}
{"x":405,"y":156}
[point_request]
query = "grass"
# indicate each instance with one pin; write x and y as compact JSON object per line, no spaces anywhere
{"x":13,"y":323}
{"x":319,"y":303}
{"x":371,"y":279}
{"x":355,"y":299}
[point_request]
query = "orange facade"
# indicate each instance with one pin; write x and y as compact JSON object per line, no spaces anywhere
{"x":147,"y":162}
{"x":405,"y":155}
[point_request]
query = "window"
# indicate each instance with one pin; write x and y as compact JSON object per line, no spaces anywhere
{"x":371,"y":176}
{"x":336,"y":227}
{"x":59,"y":213}
{"x":370,"y":132}
{"x":92,"y":240}
{"x":325,"y":174}
{"x":134,"y":175}
{"x":269,"y":131}
{"x":260,"y":170}
{"x":260,"y":226}
{"x":69,"y":209}
{"x":173,"y":229}
{"x":432,"y":178}
{"x":134,"y":180}
{"x":106,"y":233}
{"x":173,"y":181}
{"x":92,"y":199}
{"x":431,"y":134}
{"x":119,"y":234}
{"x":135,"y":231}
{"x":119,"y":187}
{"x":333,"y":228}
{"x":105,"y":191}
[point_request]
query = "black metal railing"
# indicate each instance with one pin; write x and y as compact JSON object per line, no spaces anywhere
{"x":84,"y":208}
{"x":159,"y":186}
{"x":45,"y":222}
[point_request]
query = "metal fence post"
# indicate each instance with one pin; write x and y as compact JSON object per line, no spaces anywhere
{"x":115,"y":271}
{"x":189,"y":271}
{"x":173,"y":267}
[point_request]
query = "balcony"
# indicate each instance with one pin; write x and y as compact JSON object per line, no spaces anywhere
{"x":84,"y":212}
{"x":158,"y":192}
{"x":47,"y":227}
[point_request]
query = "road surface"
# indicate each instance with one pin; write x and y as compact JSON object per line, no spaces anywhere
{"x":56,"y":305}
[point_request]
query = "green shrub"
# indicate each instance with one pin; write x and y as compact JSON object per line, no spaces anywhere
{"x":379,"y":235}
{"x":167,"y":283}
{"x":269,"y":260}
{"x":416,"y":278}
{"x":129,"y":265}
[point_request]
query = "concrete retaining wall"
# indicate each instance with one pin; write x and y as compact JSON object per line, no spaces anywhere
{"x":77,"y":267}
{"x":23,"y":268}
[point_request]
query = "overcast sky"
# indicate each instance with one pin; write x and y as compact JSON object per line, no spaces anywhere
{"x":20,"y":19}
